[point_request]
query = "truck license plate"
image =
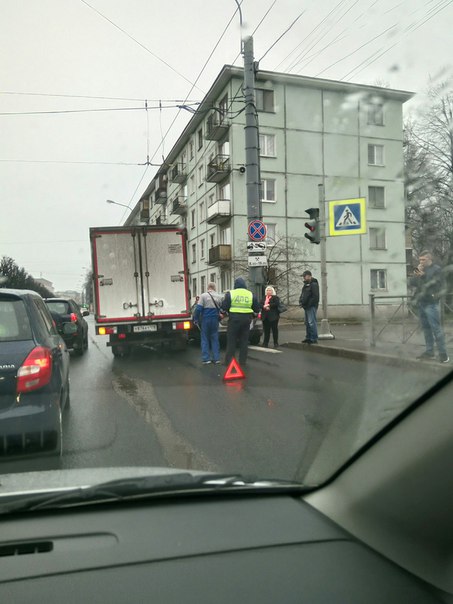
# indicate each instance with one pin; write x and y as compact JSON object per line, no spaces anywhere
{"x":145,"y":328}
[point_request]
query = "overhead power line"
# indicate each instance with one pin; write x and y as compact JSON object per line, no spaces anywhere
{"x":85,"y":96}
{"x":104,"y":109}
{"x":140,"y":44}
{"x":196,"y":80}
{"x":282,"y":35}
{"x":60,"y":161}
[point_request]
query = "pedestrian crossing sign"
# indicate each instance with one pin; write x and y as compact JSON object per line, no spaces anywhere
{"x":347,"y":217}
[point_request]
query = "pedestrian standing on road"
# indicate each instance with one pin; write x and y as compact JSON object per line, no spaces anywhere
{"x":241,"y":305}
{"x":270,"y":316}
{"x":207,"y":316}
{"x":429,"y":284}
{"x":309,"y":301}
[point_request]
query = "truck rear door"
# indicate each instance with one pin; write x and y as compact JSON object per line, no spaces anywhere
{"x":165,"y":288}
{"x":116,"y":268}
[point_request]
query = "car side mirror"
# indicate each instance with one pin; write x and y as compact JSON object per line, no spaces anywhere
{"x":85,"y":313}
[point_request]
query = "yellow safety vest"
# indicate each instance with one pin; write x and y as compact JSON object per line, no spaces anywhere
{"x":241,"y":301}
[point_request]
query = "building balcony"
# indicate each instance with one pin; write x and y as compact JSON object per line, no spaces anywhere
{"x":179,"y":205}
{"x":217,"y":126}
{"x":218,"y":169}
{"x":219,"y":211}
{"x":219,"y":254}
{"x":179,"y":173}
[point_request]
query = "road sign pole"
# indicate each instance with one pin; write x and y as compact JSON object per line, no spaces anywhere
{"x":252,"y":157}
{"x":324,"y":331}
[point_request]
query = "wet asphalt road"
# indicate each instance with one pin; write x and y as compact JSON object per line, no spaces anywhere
{"x":294,"y":410}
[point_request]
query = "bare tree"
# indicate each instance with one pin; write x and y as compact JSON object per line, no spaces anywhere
{"x":286,"y":258}
{"x":428,"y":152}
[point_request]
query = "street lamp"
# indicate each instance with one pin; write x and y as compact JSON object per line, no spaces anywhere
{"x":117,"y":204}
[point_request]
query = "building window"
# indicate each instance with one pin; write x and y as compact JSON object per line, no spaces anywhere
{"x":191,"y":149}
{"x":194,"y":252}
{"x":192,"y":219}
{"x":200,"y":176}
{"x":212,"y":240}
{"x":202,"y":248}
{"x":192,"y":185}
{"x":203,"y":284}
{"x":224,"y":148}
{"x":223,"y":107}
{"x":224,"y":191}
{"x":213,"y":278}
{"x":225,"y":280}
{"x":267,"y":145}
{"x":211,"y":200}
{"x":194,"y":287}
{"x":268,"y":189}
{"x":376,"y":197}
{"x":376,"y":114}
{"x":376,"y":155}
{"x":264,"y":99}
{"x":377,"y":239}
{"x":200,"y":138}
{"x":378,"y":279}
{"x":202,"y":211}
{"x":225,"y":236}
{"x":271,"y":233}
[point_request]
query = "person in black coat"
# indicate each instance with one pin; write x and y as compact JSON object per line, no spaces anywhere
{"x":270,"y":316}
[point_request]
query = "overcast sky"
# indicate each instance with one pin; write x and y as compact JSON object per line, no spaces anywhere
{"x":58,"y":169}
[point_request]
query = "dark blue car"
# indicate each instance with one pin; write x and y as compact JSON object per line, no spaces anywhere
{"x":34,"y":377}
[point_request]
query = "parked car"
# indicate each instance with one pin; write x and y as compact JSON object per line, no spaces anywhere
{"x":66,"y":310}
{"x":34,"y":376}
{"x":256,"y":328}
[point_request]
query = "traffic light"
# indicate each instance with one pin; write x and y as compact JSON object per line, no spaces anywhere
{"x":313,"y":226}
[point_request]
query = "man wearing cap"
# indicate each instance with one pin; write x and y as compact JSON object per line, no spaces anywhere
{"x":309,"y":301}
{"x":240,"y":304}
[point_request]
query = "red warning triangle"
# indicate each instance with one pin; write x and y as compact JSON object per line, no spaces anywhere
{"x":233,"y":372}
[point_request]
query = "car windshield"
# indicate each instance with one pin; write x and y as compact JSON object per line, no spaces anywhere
{"x":254,"y":203}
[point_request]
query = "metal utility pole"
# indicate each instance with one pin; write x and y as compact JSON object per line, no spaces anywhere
{"x":324,"y":331}
{"x":252,"y":156}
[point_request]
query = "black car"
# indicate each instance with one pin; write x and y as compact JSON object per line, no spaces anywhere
{"x":34,"y":376}
{"x":66,"y":310}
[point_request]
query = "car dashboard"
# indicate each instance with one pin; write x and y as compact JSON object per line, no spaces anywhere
{"x":211,"y":548}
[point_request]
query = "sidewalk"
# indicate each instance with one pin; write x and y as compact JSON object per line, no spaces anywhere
{"x":353,"y":340}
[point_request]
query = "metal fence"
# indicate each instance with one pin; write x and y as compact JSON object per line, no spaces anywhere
{"x":400,"y":312}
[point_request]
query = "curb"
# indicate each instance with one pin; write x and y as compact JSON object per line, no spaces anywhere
{"x":365,"y":355}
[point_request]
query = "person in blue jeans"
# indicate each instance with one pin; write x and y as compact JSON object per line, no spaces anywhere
{"x":309,"y":301}
{"x":206,"y":315}
{"x":429,"y":284}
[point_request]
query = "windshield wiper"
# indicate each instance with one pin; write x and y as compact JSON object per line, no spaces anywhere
{"x":127,"y":489}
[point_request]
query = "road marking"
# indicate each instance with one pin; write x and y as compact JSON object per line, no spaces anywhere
{"x":262,"y":349}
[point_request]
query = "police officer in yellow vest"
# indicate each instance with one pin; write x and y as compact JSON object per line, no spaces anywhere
{"x":240,"y":304}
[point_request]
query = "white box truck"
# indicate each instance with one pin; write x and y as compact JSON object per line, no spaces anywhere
{"x":140,"y":286}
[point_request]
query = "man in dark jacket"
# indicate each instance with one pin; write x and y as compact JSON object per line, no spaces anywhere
{"x":240,"y":304}
{"x":309,"y":301}
{"x":428,"y":283}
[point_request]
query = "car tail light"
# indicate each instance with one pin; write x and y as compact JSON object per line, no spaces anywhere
{"x":35,"y":371}
{"x":104,"y":331}
{"x":73,"y":317}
